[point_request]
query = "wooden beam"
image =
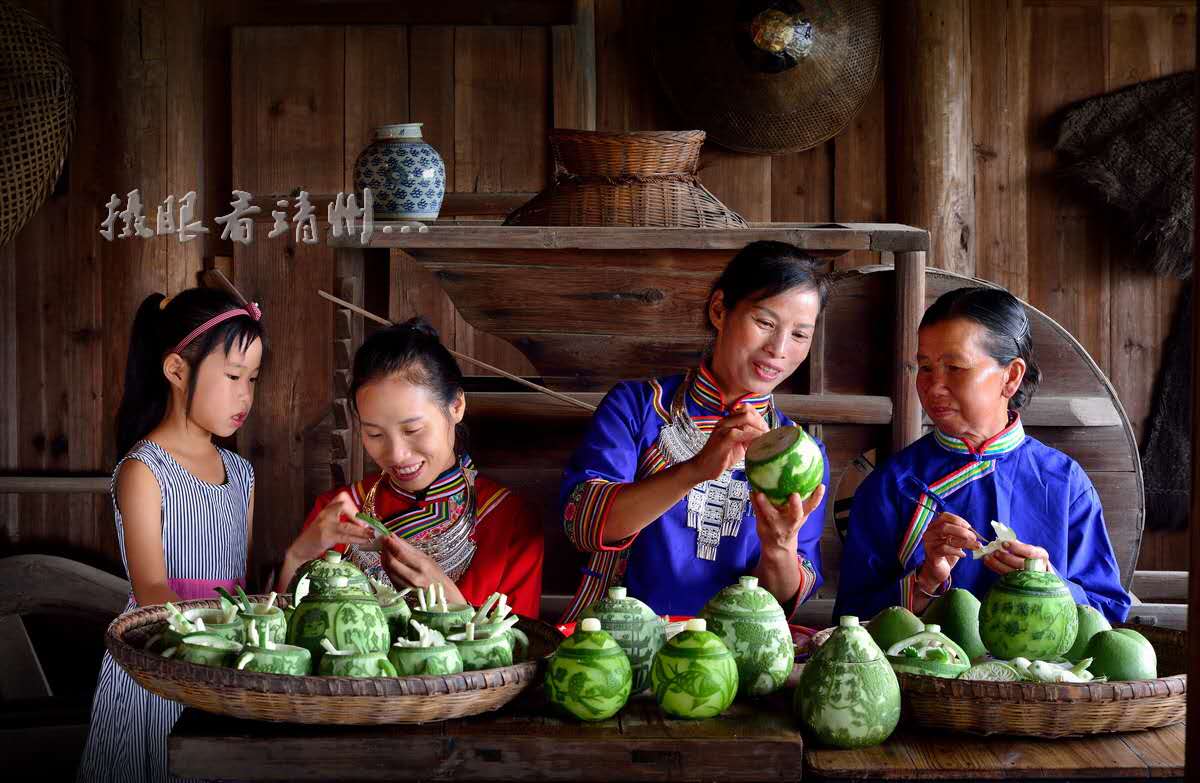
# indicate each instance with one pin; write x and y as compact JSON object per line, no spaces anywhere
{"x":454,"y":205}
{"x":910,"y":305}
{"x":366,"y":12}
{"x":807,"y":408}
{"x":1165,"y":615}
{"x":842,"y":237}
{"x":1066,"y":412}
{"x":57,"y":484}
{"x":1160,"y":585}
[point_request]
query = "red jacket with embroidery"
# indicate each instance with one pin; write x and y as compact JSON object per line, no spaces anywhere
{"x":507,"y":533}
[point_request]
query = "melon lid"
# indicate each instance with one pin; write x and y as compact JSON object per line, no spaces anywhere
{"x":849,"y":643}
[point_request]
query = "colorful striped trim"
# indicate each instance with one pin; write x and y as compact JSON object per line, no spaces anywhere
{"x":1003,"y":442}
{"x":412,"y":524}
{"x":705,"y":392}
{"x":603,"y":568}
{"x":808,"y":581}
{"x":447,"y":485}
{"x":656,"y":397}
{"x":491,"y":504}
{"x":586,"y":513}
{"x":926,"y":508}
{"x":908,"y":590}
{"x":653,"y":460}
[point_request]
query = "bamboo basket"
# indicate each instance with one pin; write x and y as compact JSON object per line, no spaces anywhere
{"x":321,"y":700}
{"x":1052,"y":710}
{"x":645,"y":178}
{"x":37,"y":116}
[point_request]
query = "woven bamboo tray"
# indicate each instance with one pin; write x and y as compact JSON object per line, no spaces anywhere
{"x":1046,"y":710}
{"x":321,"y":700}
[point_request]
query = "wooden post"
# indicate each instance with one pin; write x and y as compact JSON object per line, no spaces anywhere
{"x":1192,"y":762}
{"x":933,"y":158}
{"x":346,"y":457}
{"x":910,"y":306}
{"x":573,"y":58}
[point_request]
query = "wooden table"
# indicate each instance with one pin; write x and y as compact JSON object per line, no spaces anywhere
{"x":911,"y":755}
{"x":750,"y":742}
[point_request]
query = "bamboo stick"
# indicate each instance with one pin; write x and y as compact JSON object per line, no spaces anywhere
{"x":384,"y":322}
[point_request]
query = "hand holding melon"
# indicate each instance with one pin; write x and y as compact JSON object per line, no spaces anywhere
{"x":783,"y":462}
{"x":1011,"y":557}
{"x":778,"y":525}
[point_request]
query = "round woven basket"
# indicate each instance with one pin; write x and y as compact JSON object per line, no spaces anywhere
{"x":1046,"y":710}
{"x":645,"y":178}
{"x":37,"y":116}
{"x":321,"y":700}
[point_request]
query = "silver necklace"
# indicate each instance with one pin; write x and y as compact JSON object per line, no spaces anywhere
{"x":715,"y":508}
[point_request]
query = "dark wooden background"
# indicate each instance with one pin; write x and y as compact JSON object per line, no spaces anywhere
{"x":270,"y":97}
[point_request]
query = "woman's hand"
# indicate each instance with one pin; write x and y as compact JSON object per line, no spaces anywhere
{"x":1012,"y":557}
{"x":779,"y":526}
{"x":410,"y":567}
{"x":944,"y":541}
{"x":334,"y":525}
{"x":727,"y":443}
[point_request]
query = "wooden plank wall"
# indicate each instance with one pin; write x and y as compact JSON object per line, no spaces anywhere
{"x":180,"y":121}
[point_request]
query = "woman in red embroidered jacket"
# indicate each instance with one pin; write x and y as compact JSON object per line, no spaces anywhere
{"x":451,"y":525}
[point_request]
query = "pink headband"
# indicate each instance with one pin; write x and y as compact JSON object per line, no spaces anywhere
{"x":251,"y":309}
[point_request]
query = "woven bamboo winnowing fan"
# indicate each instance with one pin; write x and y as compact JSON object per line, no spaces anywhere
{"x":37,"y":116}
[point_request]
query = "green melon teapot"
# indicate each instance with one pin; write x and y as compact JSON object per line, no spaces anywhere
{"x":339,"y":607}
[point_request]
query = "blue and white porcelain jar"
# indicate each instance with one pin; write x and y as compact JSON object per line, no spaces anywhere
{"x":406,"y":176}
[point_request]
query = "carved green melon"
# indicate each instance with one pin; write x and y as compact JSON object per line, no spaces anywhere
{"x":1029,"y":614}
{"x":634,"y":626}
{"x":784,"y":461}
{"x":752,"y":625}
{"x":206,"y":649}
{"x":337,"y":609}
{"x":279,"y":659}
{"x":486,"y":653}
{"x":271,"y":623}
{"x":321,"y":575}
{"x":589,"y":676}
{"x":848,"y":696}
{"x":346,"y":663}
{"x":694,"y":674}
{"x":930,"y":653}
{"x":440,"y":659}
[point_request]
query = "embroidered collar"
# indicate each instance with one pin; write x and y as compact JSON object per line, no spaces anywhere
{"x":450,"y":483}
{"x":705,"y":392}
{"x":1003,"y":442}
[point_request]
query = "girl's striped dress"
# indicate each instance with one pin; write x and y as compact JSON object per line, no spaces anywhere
{"x":204,"y":545}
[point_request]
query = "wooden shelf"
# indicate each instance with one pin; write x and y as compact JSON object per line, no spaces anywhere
{"x":838,"y":237}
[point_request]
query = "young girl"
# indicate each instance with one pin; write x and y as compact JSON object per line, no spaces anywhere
{"x":183,"y":505}
{"x":452,"y":525}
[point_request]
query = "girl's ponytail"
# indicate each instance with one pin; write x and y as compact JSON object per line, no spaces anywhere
{"x":144,"y":401}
